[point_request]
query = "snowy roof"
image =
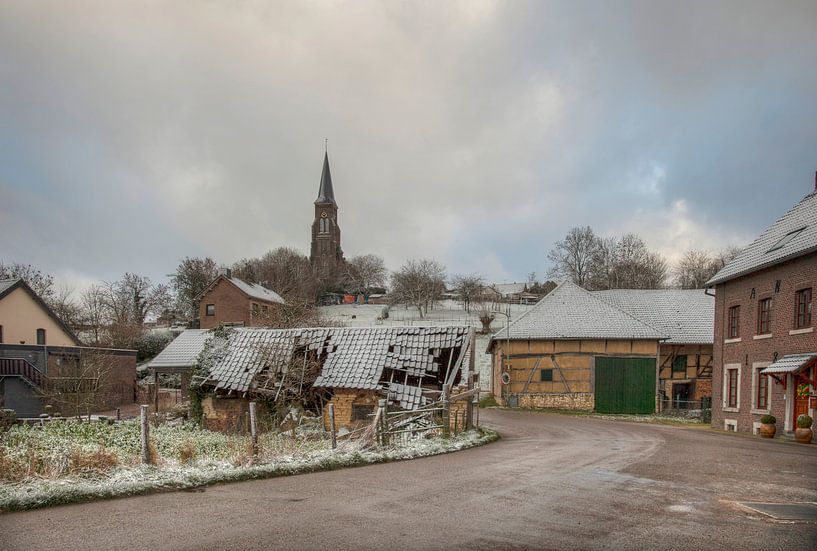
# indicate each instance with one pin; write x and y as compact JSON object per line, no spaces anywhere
{"x":790,"y":364}
{"x":793,"y":235}
{"x":183,"y":350}
{"x":350,"y":357}
{"x":256,"y":291}
{"x":686,"y":316}
{"x":508,"y":288}
{"x":570,"y":312}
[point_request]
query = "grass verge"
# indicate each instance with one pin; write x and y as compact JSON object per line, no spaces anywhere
{"x":144,"y":479}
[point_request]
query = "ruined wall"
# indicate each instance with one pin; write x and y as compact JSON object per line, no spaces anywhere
{"x":225,"y":414}
{"x":345,"y":401}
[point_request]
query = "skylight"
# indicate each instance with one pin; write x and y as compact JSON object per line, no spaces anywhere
{"x":786,"y":238}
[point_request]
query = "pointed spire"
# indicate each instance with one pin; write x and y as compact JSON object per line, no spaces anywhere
{"x":325,"y":193}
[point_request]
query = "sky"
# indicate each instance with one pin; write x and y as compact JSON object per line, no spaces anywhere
{"x":133,"y":134}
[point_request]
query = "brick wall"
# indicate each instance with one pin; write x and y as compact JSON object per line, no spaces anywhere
{"x":225,"y":414}
{"x":344,"y":401}
{"x":232,"y":305}
{"x":793,"y":275}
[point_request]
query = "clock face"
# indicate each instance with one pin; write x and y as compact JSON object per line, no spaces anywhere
{"x":324,"y":215}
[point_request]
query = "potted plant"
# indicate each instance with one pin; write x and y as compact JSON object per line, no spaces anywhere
{"x":767,"y":426}
{"x":803,"y":432}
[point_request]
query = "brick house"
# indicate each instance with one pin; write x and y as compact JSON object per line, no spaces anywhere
{"x":765,"y":344}
{"x":620,"y":351}
{"x":231,"y":301}
{"x":41,"y":359}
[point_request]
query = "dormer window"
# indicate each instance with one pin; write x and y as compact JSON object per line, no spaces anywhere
{"x":786,"y":239}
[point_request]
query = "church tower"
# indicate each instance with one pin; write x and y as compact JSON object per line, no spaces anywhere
{"x":326,"y":255}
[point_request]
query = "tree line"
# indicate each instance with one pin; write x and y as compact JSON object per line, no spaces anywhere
{"x":625,"y":262}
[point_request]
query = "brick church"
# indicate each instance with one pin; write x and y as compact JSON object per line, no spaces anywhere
{"x":326,"y":255}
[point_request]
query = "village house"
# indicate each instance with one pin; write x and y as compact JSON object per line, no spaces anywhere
{"x":351,"y":368}
{"x":621,"y":351}
{"x":765,"y":344}
{"x":42,"y":360}
{"x":229,"y":300}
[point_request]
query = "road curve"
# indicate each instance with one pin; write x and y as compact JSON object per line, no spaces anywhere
{"x":552,"y":482}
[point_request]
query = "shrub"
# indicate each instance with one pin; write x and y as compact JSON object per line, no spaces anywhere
{"x":804,"y":421}
{"x":187,"y":452}
{"x":8,"y":417}
{"x":98,"y":461}
{"x":768,"y":419}
{"x":488,"y":401}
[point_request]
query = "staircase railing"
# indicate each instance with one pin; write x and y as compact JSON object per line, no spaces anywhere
{"x":18,"y":367}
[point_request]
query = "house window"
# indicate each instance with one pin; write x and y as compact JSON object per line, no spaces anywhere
{"x":762,"y":398}
{"x":546,"y":375}
{"x":679,"y":365}
{"x":764,"y":316}
{"x":40,"y":336}
{"x":210,"y":310}
{"x":255,"y":309}
{"x":732,"y":388}
{"x":1,"y":334}
{"x":802,"y":313}
{"x":734,"y":322}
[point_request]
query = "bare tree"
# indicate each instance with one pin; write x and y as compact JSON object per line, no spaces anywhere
{"x":470,"y":288}
{"x":572,"y":257}
{"x":725,"y":256}
{"x":284,"y":270}
{"x":40,"y":282}
{"x":191,"y":278}
{"x":696,"y":267}
{"x":626,"y":263}
{"x":65,"y":307}
{"x":367,"y":271}
{"x":94,"y":314}
{"x":78,"y":386}
{"x":419,"y":283}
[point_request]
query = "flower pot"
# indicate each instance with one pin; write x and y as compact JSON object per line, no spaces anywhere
{"x":803,"y":435}
{"x":767,"y":430}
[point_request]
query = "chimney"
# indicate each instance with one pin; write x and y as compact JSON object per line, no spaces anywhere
{"x":226,"y":272}
{"x":815,"y":180}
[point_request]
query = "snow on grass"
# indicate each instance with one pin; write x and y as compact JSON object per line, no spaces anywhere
{"x":50,"y":476}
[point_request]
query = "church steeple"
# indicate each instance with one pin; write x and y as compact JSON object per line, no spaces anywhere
{"x":326,"y":195}
{"x":326,"y":254}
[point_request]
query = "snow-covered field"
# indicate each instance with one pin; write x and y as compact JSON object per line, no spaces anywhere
{"x":67,"y":461}
{"x":446,"y":312}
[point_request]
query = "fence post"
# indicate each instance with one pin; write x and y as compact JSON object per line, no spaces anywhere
{"x":469,"y":406}
{"x":118,"y":415}
{"x":332,"y":425}
{"x":253,"y":430}
{"x":145,"y":426}
{"x":446,"y":411}
{"x":384,"y":424}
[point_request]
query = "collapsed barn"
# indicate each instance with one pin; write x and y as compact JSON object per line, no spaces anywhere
{"x":351,"y":368}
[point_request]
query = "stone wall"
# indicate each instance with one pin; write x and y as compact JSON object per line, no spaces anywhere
{"x":345,"y":401}
{"x":225,"y":414}
{"x":579,"y":401}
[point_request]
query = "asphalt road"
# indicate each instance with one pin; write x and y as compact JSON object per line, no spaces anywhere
{"x":552,"y":482}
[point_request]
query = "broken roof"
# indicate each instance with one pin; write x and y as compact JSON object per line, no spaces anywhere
{"x":350,"y":357}
{"x":793,"y":235}
{"x":686,"y":316}
{"x":570,"y":312}
{"x":182,"y":351}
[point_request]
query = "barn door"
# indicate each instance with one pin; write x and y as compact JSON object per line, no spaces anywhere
{"x":625,"y":385}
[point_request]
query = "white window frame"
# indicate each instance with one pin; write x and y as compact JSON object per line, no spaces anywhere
{"x":725,"y":388}
{"x":756,"y":367}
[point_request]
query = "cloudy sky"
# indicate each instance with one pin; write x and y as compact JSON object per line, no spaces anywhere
{"x":476,"y":132}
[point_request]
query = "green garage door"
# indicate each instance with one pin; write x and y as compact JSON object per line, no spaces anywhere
{"x":625,"y":385}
